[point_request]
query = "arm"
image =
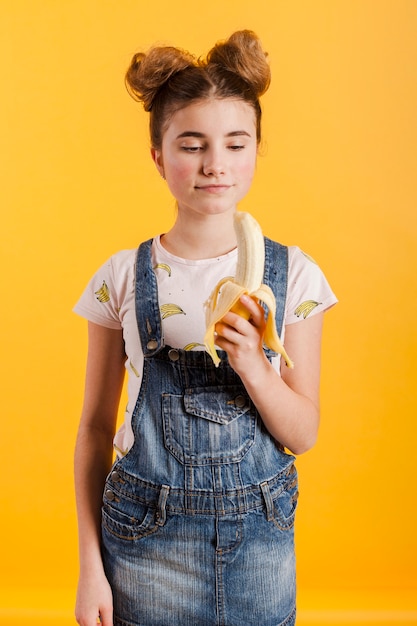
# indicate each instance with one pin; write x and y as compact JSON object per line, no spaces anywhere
{"x":93,"y":459}
{"x":288,"y":405}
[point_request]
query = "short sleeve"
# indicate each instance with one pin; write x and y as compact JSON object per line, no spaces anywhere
{"x":308,"y":291}
{"x":103,"y":298}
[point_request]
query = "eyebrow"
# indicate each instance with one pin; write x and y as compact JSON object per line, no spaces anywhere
{"x":192,"y":133}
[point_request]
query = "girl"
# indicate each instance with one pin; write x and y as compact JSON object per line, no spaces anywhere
{"x":195,"y":526}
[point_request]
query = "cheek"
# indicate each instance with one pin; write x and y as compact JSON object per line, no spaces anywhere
{"x":179,"y":172}
{"x":247,"y":170}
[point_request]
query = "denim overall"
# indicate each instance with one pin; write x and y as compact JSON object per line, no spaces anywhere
{"x":197,"y":518}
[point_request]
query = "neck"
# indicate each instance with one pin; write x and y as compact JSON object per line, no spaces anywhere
{"x":201,"y":237}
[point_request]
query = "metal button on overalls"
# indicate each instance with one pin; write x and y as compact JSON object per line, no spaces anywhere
{"x":174,"y":355}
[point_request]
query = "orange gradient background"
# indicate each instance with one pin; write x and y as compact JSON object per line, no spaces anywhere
{"x":337,"y":176}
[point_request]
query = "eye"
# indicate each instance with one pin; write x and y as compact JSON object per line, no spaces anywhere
{"x":236,"y":148}
{"x":191,"y":148}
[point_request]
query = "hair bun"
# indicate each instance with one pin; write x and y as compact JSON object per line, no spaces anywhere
{"x":242,"y":54}
{"x":148,"y":72}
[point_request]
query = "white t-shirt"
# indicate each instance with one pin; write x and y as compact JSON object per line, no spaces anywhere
{"x":183,"y":288}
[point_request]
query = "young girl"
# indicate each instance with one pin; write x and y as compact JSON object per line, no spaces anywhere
{"x":195,"y":526}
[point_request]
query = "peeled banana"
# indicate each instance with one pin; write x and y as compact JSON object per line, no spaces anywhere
{"x":248,"y":280}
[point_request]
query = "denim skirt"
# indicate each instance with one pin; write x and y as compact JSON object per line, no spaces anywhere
{"x":167,"y":565}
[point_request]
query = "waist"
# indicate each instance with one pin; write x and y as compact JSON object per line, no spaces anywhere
{"x":183,"y":500}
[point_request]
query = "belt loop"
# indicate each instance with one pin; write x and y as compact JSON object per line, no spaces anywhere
{"x":161,"y":510}
{"x":268,"y":501}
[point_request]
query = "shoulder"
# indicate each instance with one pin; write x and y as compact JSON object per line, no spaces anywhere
{"x":308,"y":289}
{"x":121,"y":262}
{"x":117,"y":272}
{"x":298,"y":260}
{"x":108,"y":290}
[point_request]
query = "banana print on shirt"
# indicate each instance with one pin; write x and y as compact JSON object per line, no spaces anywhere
{"x":305,"y":308}
{"x":103,"y":294}
{"x":163,"y":266}
{"x":134,"y":370}
{"x":170,"y":309}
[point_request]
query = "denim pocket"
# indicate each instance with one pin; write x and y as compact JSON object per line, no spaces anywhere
{"x":206,"y":426}
{"x":285,"y":504}
{"x":120,"y":521}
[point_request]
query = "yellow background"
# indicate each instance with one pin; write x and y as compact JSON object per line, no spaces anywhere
{"x":337,"y":176}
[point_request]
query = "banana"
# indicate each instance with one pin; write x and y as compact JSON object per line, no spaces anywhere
{"x":248,"y":280}
{"x":103,"y":294}
{"x":163,"y":266}
{"x":120,"y":451}
{"x":170,"y":309}
{"x":191,"y":346}
{"x":305,"y":308}
{"x":134,"y":370}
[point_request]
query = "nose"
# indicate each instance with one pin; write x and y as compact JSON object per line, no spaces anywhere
{"x":213,"y":164}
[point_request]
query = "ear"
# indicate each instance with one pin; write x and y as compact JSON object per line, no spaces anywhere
{"x":157,"y":159}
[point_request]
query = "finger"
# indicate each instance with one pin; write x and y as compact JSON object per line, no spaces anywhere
{"x":89,"y":618}
{"x":106,"y":617}
{"x":233,"y":323}
{"x":224,"y":334}
{"x":233,"y":326}
{"x":254,"y":309}
{"x":229,"y":338}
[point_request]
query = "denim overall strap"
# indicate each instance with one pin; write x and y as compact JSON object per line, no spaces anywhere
{"x":146,"y":302}
{"x":276,"y":276}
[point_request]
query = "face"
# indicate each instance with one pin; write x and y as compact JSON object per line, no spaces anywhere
{"x":208,"y":155}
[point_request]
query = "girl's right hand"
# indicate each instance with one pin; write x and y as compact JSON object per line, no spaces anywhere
{"x":94,"y":602}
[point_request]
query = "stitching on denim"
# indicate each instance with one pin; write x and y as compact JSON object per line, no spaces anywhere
{"x":248,"y":498}
{"x":111,"y":527}
{"x":290,"y":619}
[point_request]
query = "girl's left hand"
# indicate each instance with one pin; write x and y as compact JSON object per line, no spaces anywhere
{"x":242,"y":338}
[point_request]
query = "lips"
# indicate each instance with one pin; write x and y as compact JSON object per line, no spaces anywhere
{"x":213,"y":188}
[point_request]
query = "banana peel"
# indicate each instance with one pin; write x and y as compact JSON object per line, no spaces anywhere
{"x":226,"y":295}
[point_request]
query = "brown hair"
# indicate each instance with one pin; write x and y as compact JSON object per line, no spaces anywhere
{"x":166,"y":79}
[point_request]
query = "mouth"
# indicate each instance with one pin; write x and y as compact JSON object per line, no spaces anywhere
{"x":215,"y":189}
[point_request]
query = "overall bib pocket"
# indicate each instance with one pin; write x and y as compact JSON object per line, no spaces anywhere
{"x":208,"y":425}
